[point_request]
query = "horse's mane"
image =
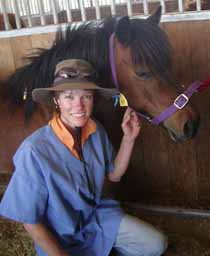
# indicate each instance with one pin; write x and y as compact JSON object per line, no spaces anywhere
{"x":90,"y":41}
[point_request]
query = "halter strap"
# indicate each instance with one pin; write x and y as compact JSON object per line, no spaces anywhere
{"x":112,"y":61}
{"x":179,"y":103}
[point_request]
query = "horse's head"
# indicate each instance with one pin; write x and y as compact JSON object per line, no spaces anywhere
{"x":144,"y":72}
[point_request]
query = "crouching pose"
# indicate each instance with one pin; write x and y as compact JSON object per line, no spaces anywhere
{"x":60,"y":169}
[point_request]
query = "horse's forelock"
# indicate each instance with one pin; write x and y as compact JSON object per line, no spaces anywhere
{"x":150,"y":46}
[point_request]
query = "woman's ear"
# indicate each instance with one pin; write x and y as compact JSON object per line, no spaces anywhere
{"x":55,"y":100}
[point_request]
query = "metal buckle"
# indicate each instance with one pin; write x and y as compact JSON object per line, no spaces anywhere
{"x":183,"y":101}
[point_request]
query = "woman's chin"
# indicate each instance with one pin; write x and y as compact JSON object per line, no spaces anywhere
{"x":80,"y":123}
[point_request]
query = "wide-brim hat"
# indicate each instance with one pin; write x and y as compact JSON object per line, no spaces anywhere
{"x":71,"y":74}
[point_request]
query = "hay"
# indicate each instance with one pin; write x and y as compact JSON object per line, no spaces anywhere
{"x":14,"y":240}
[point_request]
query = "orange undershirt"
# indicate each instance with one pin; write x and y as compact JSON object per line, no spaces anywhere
{"x":65,"y":136}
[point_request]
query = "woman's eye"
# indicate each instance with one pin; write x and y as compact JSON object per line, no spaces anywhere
{"x":88,"y":97}
{"x":144,"y":75}
{"x":70,"y":97}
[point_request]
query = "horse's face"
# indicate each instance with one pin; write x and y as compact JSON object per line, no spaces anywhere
{"x":146,"y":92}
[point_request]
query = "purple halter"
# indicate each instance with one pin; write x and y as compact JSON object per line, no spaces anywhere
{"x":179,"y":103}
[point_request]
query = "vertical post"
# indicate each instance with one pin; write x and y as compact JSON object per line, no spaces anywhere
{"x":28,"y":12}
{"x":180,"y":4}
{"x":145,"y":7}
{"x":5,"y":16}
{"x":82,"y":9}
{"x":198,"y":5}
{"x":129,"y":8}
{"x":97,"y":8}
{"x":54,"y":11}
{"x":68,"y":11}
{"x":162,"y":2}
{"x":17,"y":14}
{"x":41,"y":12}
{"x":113,"y":8}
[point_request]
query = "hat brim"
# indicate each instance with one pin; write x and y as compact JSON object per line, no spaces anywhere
{"x":44,"y":95}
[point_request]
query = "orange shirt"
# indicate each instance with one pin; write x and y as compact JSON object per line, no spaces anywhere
{"x":65,"y":136}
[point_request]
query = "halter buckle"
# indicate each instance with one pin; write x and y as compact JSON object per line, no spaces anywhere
{"x":181,"y":101}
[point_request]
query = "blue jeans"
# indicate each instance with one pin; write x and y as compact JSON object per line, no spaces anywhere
{"x":138,"y":238}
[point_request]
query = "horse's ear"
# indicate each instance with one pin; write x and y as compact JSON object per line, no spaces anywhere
{"x":155,"y":17}
{"x":122,"y":30}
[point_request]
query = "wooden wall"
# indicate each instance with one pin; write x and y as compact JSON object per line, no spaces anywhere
{"x":161,"y":171}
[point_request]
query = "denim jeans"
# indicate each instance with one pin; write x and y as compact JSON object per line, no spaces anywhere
{"x":138,"y":238}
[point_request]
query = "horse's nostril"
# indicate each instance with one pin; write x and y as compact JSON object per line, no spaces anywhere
{"x":190,"y":128}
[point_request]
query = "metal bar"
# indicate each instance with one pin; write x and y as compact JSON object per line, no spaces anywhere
{"x":113,"y":8}
{"x":17,"y":14}
{"x":5,"y":16}
{"x":28,"y":12}
{"x":145,"y":7}
{"x":180,"y":5}
{"x":41,"y":12}
{"x":98,"y":11}
{"x":68,"y":11}
{"x":175,"y":17}
{"x":129,"y":8}
{"x":54,"y":11}
{"x":82,"y":9}
{"x":170,"y":210}
{"x":198,"y":5}
{"x":162,"y":2}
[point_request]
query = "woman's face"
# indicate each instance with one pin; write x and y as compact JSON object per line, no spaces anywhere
{"x":75,"y":107}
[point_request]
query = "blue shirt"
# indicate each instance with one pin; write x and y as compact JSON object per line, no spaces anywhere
{"x":50,"y":185}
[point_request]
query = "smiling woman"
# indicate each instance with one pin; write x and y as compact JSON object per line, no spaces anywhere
{"x":60,"y":171}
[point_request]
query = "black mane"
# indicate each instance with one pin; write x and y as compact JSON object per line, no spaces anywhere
{"x":90,"y":41}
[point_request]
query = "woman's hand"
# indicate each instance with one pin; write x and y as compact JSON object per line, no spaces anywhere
{"x":131,"y":125}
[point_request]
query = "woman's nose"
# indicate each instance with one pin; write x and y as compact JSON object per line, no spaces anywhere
{"x":78,"y":102}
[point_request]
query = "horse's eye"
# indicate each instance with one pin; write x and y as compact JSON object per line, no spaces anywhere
{"x":144,"y":75}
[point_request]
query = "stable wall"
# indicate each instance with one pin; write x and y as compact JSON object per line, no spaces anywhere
{"x":161,"y":171}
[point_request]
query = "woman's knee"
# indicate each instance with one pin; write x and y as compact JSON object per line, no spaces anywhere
{"x":138,"y":238}
{"x":158,"y":245}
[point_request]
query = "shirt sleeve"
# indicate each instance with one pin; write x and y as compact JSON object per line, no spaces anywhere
{"x":26,"y":195}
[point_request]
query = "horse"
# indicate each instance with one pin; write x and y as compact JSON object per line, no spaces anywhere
{"x":12,"y":21}
{"x":143,"y":65}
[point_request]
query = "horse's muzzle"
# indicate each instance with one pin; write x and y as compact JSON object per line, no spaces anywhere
{"x":190,"y":129}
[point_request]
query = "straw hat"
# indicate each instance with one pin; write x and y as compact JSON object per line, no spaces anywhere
{"x":71,"y":74}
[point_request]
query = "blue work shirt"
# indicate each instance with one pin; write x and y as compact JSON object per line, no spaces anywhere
{"x":50,"y":186}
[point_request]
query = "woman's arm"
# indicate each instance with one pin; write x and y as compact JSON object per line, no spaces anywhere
{"x":45,"y":239}
{"x":131,"y":128}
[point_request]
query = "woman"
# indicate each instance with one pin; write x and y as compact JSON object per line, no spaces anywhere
{"x":60,"y":170}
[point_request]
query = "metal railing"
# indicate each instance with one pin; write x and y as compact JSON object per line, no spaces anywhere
{"x":31,"y":13}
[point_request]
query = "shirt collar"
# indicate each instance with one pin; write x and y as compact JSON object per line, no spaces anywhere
{"x":66,"y":137}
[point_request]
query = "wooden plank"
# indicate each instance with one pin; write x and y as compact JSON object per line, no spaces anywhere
{"x":199,"y":35}
{"x":182,"y":157}
{"x":7,"y":65}
{"x":155,"y":149}
{"x":42,"y":40}
{"x":21,"y":47}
